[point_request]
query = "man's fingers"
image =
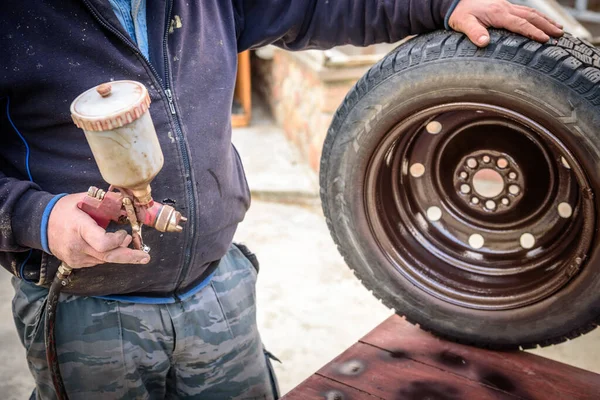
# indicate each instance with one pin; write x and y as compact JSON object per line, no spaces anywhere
{"x":523,"y":27}
{"x":127,"y":241}
{"x":99,"y":239}
{"x":474,"y":29}
{"x":83,"y":256}
{"x":124,"y":255}
{"x":472,"y":16}
{"x":538,"y":20}
{"x":120,"y":255}
{"x":110,"y":247}
{"x":88,"y":261}
{"x":528,"y":9}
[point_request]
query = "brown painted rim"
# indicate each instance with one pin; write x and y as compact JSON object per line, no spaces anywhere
{"x":431,"y":213}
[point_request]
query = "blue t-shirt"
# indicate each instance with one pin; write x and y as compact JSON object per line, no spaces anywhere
{"x":132,"y":15}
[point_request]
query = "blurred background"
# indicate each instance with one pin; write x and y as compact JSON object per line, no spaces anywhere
{"x":311,"y":307}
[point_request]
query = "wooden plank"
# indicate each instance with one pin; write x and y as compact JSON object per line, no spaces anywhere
{"x":388,"y":376}
{"x":522,"y":374}
{"x":319,"y":387}
{"x":240,"y":120}
{"x":243,"y":91}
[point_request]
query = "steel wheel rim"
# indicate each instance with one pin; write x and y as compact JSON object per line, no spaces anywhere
{"x":429,"y":212}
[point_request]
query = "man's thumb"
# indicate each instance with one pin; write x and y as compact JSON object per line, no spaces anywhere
{"x":476,"y":32}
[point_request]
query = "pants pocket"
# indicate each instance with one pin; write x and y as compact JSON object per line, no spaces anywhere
{"x":249,"y":255}
{"x":269,"y":358}
{"x":28,"y":306}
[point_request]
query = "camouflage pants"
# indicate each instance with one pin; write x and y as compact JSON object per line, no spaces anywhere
{"x":207,"y":346}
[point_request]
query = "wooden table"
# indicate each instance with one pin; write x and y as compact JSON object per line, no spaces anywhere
{"x":399,"y":361}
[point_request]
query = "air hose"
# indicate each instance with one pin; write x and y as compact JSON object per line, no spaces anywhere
{"x":60,"y":281}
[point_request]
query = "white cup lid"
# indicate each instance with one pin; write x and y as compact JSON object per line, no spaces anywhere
{"x":110,"y":105}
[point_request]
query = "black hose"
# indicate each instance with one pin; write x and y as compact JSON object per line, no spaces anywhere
{"x":60,"y":280}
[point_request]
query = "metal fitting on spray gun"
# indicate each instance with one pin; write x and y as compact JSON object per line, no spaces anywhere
{"x":128,"y":154}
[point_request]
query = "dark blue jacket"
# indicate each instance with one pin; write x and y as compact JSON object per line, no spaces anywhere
{"x":53,"y":50}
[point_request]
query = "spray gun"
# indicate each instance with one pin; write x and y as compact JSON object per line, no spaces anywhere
{"x":117,"y":124}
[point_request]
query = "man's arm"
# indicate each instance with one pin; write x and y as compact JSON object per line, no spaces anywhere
{"x":33,"y":219}
{"x":304,"y":24}
{"x":22,"y":207}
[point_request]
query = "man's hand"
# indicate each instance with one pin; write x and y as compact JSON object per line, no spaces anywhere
{"x":75,"y":238}
{"x":472,"y":17}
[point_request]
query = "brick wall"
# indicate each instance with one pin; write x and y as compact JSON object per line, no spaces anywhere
{"x":300,"y":99}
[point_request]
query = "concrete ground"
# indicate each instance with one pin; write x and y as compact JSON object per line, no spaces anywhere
{"x":311,"y":307}
{"x":15,"y":380}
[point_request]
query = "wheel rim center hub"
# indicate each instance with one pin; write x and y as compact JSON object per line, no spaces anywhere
{"x":488,"y":183}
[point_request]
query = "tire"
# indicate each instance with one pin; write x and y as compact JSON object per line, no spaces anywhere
{"x":493,"y":296}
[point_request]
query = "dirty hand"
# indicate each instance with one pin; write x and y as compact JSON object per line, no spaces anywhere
{"x":472,"y":17}
{"x":75,"y":238}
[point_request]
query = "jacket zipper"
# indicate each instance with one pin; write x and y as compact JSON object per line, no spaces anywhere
{"x":184,"y":150}
{"x":174,"y":117}
{"x":171,"y":103}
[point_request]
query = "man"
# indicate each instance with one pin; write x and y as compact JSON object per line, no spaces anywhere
{"x":181,"y":325}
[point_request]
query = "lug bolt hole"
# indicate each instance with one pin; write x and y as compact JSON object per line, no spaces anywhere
{"x":502,"y":163}
{"x":490,"y":205}
{"x":514,"y":189}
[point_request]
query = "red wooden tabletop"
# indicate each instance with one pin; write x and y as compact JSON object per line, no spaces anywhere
{"x":399,"y":361}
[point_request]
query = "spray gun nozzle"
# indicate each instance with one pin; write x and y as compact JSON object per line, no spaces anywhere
{"x":182,"y":220}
